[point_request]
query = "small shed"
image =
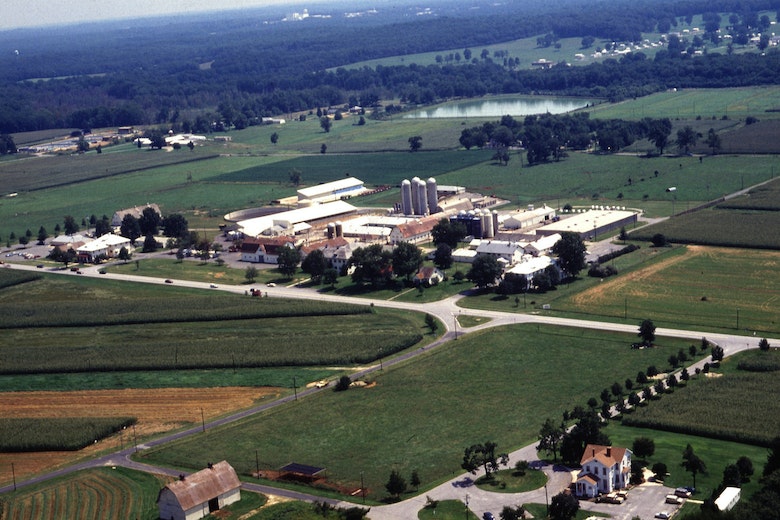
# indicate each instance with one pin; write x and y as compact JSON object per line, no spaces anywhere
{"x":300,"y":472}
{"x":200,"y":494}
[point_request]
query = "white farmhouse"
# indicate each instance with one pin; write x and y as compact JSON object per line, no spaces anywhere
{"x":604,"y":470}
{"x":200,"y":494}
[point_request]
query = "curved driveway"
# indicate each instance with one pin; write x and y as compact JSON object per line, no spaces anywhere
{"x":447,"y":311}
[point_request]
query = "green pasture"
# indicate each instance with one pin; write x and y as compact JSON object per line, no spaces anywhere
{"x":707,"y":289}
{"x":706,"y":103}
{"x":450,"y":391}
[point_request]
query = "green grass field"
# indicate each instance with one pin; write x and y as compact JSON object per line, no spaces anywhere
{"x":718,"y":289}
{"x":448,"y":395}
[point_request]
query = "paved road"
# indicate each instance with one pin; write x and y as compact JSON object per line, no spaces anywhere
{"x":448,"y":312}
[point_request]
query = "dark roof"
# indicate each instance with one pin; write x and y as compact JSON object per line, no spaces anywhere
{"x":302,"y":469}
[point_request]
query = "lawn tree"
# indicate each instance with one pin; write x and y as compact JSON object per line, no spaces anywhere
{"x":512,"y":513}
{"x":717,"y":354}
{"x":274,"y":138}
{"x":570,"y":251}
{"x":295,"y":176}
{"x":641,"y":378}
{"x":71,"y":226}
{"x":458,"y":276}
{"x":314,"y":265}
{"x":42,"y":235}
{"x":692,"y":463}
{"x":586,"y":431}
{"x":643,"y":447}
{"x":634,"y":399}
{"x":485,"y":270}
{"x":396,"y":484}
{"x":659,"y":240}
{"x":658,"y":133}
{"x":773,"y":458}
{"x":150,"y":244}
{"x":484,"y":456}
{"x":431,"y":323}
{"x":323,"y":148}
{"x":66,"y":257}
{"x":659,"y":470}
{"x":550,"y":437}
{"x":637,"y":473}
{"x":447,"y":232}
{"x":342,"y":384}
{"x":731,"y":476}
{"x":175,"y":226}
{"x":130,"y":228}
{"x":564,"y":506}
{"x":124,"y":254}
{"x":330,"y":277}
{"x":149,"y":222}
{"x":647,"y":333}
{"x":288,"y":260}
{"x":414,"y":480}
{"x":521,"y":467}
{"x":763,"y":344}
{"x":617,"y":389}
{"x":713,"y":141}
{"x":372,"y":264}
{"x":442,"y":257}
{"x":325,"y":123}
{"x":407,"y":259}
{"x":593,"y":403}
{"x":250,"y":274}
{"x":686,"y":138}
{"x":745,"y":466}
{"x":684,"y":375}
{"x":415,"y":143}
{"x":103,"y":227}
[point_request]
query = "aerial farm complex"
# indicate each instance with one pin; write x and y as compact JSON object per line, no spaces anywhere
{"x":325,"y":218}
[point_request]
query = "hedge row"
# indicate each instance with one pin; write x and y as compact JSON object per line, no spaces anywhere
{"x":57,"y":433}
{"x":619,"y":252}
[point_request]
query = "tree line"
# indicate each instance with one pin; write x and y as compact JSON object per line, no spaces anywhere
{"x":247,"y":81}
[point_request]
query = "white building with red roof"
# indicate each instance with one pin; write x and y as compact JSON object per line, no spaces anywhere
{"x":604,"y":470}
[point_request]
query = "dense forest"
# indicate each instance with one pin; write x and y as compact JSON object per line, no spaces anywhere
{"x":236,"y":70}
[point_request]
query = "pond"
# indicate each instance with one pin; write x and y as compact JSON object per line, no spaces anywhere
{"x":516,"y":107}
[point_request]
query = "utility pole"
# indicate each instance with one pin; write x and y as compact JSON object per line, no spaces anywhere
{"x":13,"y":475}
{"x":257,"y":465}
{"x":295,"y":388}
{"x":203,"y":419}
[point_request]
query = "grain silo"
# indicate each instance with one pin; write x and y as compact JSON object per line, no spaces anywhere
{"x":339,"y":229}
{"x":406,"y":197}
{"x":415,"y":196}
{"x":420,"y":207}
{"x":433,"y":199}
{"x":331,"y":230}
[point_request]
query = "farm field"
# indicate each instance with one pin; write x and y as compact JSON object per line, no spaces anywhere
{"x":667,"y":285}
{"x":157,"y":411}
{"x":104,"y":493}
{"x":25,"y":434}
{"x":394,"y":419}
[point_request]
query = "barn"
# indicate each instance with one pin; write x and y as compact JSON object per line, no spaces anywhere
{"x":200,"y":494}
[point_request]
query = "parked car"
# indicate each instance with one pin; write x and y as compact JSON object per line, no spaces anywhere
{"x":270,"y":284}
{"x":213,"y":286}
{"x":488,"y":516}
{"x":663,"y":515}
{"x":39,"y":266}
{"x":168,"y":281}
{"x":682,"y":492}
{"x":673,"y":499}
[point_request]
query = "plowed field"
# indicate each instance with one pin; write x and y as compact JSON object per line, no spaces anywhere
{"x":157,"y":410}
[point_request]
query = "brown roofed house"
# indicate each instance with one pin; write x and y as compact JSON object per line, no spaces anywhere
{"x":200,"y":494}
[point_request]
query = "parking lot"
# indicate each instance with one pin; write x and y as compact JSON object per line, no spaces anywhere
{"x":643,"y":501}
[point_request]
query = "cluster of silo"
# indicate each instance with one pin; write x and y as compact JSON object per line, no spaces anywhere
{"x":335,"y":229}
{"x":480,"y":223}
{"x":419,"y":197}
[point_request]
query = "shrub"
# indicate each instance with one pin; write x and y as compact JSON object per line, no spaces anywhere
{"x":342,"y":384}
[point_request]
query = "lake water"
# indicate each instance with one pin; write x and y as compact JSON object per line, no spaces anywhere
{"x":516,"y":107}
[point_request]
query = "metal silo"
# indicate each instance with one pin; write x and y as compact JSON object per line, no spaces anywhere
{"x":433,"y":199}
{"x":418,"y":189}
{"x":406,"y":197}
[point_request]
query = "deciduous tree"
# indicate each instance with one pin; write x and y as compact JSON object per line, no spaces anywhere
{"x":288,"y":260}
{"x":647,"y":333}
{"x":692,"y":463}
{"x":407,"y":259}
{"x":485,"y":456}
{"x":570,"y":251}
{"x":485,"y":270}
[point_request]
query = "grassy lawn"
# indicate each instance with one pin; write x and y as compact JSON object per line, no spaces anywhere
{"x":510,"y":481}
{"x":191,"y":269}
{"x":446,"y":510}
{"x":389,"y":425}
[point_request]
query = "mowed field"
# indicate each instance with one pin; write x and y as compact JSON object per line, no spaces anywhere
{"x":692,"y":286}
{"x":157,"y":410}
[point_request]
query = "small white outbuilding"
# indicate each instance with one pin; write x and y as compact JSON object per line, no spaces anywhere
{"x":197,"y":495}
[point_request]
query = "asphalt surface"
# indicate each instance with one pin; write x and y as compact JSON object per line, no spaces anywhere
{"x":448,"y":313}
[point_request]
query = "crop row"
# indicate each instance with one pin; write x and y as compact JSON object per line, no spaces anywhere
{"x":730,"y":228}
{"x":98,"y":494}
{"x":56,"y":433}
{"x":302,"y":341}
{"x":102,"y":312}
{"x":766,"y":197}
{"x":9,"y":278}
{"x":746,"y":404}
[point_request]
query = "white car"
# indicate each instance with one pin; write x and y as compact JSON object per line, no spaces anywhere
{"x":213,"y":286}
{"x":270,"y":284}
{"x":663,"y":515}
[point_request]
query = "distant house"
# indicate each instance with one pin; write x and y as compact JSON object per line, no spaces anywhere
{"x":105,"y":246}
{"x":264,"y":249}
{"x":136,"y":212}
{"x":604,"y":470}
{"x":508,"y":253}
{"x":65,"y":242}
{"x":251,"y":251}
{"x":200,"y":494}
{"x":428,"y":276}
{"x":414,"y":232}
{"x":337,"y":251}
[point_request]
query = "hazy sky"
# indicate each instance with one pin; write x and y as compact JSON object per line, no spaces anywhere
{"x":27,"y":13}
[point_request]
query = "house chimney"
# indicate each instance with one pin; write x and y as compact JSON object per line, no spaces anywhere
{"x":181,"y":476}
{"x":594,"y":452}
{"x":210,"y":465}
{"x":609,"y":451}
